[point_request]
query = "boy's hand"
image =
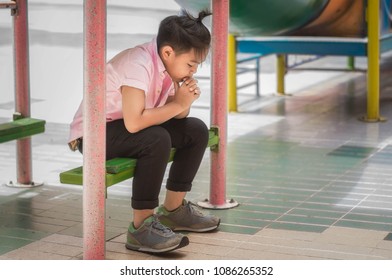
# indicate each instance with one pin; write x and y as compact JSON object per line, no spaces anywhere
{"x":187,"y":92}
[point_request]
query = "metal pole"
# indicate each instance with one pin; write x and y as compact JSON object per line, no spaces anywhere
{"x":373,"y":71}
{"x":351,"y":63}
{"x":258,"y":77}
{"x":220,"y":23}
{"x":280,"y":73}
{"x":232,"y":73}
{"x":94,"y":133}
{"x":22,"y":93}
{"x":373,"y":59}
{"x":8,"y":5}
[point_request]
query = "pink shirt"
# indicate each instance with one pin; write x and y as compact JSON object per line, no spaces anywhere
{"x":139,"y":67}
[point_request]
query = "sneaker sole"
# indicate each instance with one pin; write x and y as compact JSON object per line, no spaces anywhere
{"x":184,"y":242}
{"x":196,"y":229}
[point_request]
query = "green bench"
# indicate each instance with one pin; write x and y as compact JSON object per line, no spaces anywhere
{"x":120,"y":169}
{"x":20,"y":128}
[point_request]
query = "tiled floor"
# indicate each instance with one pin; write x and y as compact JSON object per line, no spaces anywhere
{"x":312,"y":181}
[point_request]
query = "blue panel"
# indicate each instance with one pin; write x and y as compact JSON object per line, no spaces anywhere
{"x":386,"y":43}
{"x":386,"y":10}
{"x":302,"y":45}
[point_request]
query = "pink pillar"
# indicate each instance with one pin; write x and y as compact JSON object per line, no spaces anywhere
{"x":220,"y":23}
{"x":94,"y":139}
{"x":22,"y":91}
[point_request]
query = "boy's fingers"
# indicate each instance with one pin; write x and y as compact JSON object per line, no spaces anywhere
{"x":176,"y":86}
{"x":190,"y":81}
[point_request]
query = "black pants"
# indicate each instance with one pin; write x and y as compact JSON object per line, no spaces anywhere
{"x":151,"y":147}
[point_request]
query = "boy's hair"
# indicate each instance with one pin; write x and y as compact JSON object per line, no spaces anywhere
{"x":185,"y":32}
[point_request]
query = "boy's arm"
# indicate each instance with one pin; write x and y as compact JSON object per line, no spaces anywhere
{"x":192,"y":88}
{"x":181,"y":115}
{"x":136,"y":117}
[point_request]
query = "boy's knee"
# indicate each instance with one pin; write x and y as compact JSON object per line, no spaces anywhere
{"x":158,"y":140}
{"x":199,"y":129}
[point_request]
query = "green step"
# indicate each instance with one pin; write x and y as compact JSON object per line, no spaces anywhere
{"x":21,"y":128}
{"x":120,"y":169}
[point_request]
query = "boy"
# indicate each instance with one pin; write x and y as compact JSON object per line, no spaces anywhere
{"x":150,"y":89}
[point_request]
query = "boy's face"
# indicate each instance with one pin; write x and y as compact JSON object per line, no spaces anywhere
{"x":180,"y":66}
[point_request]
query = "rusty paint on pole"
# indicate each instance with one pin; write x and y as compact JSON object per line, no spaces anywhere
{"x":220,"y":24}
{"x":22,"y":90}
{"x":94,"y":133}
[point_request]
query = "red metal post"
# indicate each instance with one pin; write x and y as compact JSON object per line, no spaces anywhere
{"x":94,"y":139}
{"x":220,"y":28}
{"x":22,"y":91}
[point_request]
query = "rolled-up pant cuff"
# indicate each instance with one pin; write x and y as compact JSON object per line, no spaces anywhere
{"x":143,"y":204}
{"x":178,"y":187}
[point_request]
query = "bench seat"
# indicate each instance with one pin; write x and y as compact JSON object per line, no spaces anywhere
{"x":120,"y":169}
{"x":20,"y":128}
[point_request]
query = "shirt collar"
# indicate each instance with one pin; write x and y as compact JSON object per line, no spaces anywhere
{"x":154,"y":50}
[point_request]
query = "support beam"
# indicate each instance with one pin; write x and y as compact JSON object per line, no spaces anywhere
{"x":351,"y":63}
{"x":220,"y":27}
{"x":373,"y":71}
{"x":22,"y":94}
{"x":280,"y":73}
{"x":94,"y":133}
{"x":232,"y":73}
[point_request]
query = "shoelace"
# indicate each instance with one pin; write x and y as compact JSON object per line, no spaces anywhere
{"x":157,"y":225}
{"x":194,"y":209}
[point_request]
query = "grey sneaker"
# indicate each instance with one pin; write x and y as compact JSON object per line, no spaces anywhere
{"x":153,"y":237}
{"x":187,"y":217}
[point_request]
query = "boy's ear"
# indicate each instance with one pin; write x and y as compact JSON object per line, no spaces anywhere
{"x":167,"y":52}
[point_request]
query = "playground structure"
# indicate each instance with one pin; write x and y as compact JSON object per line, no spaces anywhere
{"x":312,"y":27}
{"x":94,"y":200}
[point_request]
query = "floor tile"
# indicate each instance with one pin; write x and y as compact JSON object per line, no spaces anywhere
{"x":364,"y":225}
{"x":388,"y":237}
{"x":298,"y":227}
{"x":21,"y":233}
{"x":353,"y":151}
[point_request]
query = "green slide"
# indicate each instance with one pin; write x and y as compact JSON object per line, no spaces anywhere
{"x":340,"y":18}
